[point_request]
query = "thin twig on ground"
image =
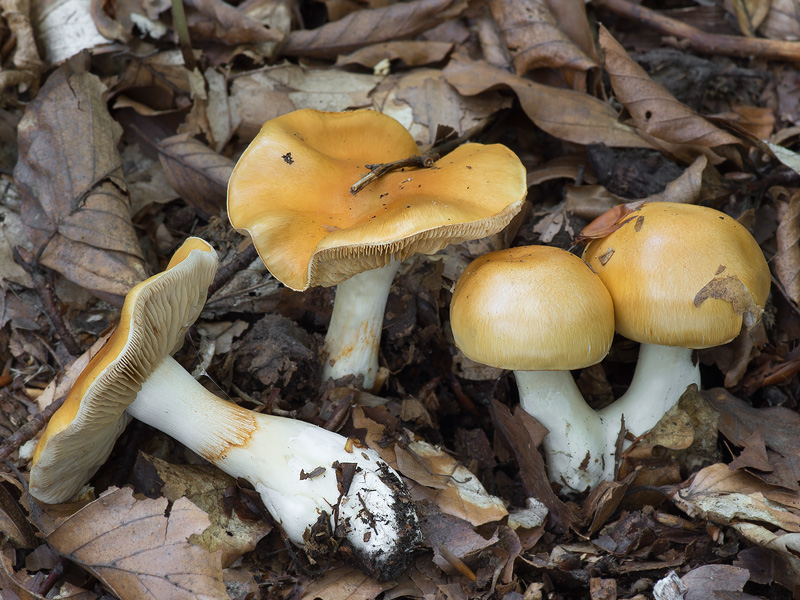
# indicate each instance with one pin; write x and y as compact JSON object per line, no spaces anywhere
{"x":30,"y":429}
{"x":701,"y":41}
{"x":42,"y":287}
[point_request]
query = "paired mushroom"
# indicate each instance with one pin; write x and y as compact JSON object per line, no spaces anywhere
{"x":680,"y":277}
{"x":541,"y":311}
{"x":291,"y":191}
{"x":308,"y":477}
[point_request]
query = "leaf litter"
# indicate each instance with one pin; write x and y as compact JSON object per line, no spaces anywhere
{"x":123,"y":151}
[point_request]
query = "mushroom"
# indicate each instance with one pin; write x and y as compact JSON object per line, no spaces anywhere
{"x":290,"y":191}
{"x":308,"y":477}
{"x":541,"y":311}
{"x":682,"y":277}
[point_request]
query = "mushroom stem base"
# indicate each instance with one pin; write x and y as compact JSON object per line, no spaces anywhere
{"x":295,"y":466}
{"x":354,"y":334}
{"x":574,"y":447}
{"x":662,"y":375}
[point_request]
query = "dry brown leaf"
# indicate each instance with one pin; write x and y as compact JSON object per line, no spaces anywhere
{"x":24,"y":54}
{"x":787,"y":259}
{"x":653,"y":108}
{"x":13,"y":522}
{"x":782,"y":22}
{"x":572,"y":20}
{"x":16,"y":586}
{"x":432,"y":102}
{"x":703,"y":582}
{"x":533,"y":38}
{"x":450,"y":537}
{"x":138,"y":552}
{"x":345,"y":584}
{"x":412,"y":53}
{"x":738,"y":422}
{"x":785,"y":545}
{"x":750,"y":14}
{"x":265,"y":94}
{"x":566,"y":114}
{"x":450,"y":485}
{"x":723,"y":496}
{"x":197,"y":173}
{"x":371,"y":26}
{"x":163,"y":76}
{"x":218,"y":21}
{"x":69,"y":175}
{"x":517,"y":437}
{"x":204,"y":486}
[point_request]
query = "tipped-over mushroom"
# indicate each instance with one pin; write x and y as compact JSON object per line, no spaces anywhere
{"x":541,"y":311}
{"x":308,"y":477}
{"x":682,"y":277}
{"x":291,"y":191}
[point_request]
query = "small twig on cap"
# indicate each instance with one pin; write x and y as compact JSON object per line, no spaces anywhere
{"x":425,"y":160}
{"x":30,"y":429}
{"x":45,"y":292}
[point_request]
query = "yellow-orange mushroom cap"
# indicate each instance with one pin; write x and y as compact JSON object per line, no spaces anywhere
{"x":291,"y":191}
{"x":156,"y":314}
{"x":532,"y":308}
{"x":681,"y":275}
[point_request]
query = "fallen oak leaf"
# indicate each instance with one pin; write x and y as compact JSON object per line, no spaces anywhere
{"x":140,"y":553}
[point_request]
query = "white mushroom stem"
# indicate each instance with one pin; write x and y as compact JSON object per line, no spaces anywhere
{"x":662,"y":375}
{"x":354,"y":334}
{"x":292,"y":464}
{"x":574,"y":448}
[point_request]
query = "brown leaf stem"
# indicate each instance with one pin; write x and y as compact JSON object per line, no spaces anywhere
{"x":700,"y":41}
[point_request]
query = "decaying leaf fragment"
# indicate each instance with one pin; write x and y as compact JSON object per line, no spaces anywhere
{"x":451,"y":485}
{"x":729,"y":288}
{"x":69,"y":175}
{"x":138,"y":552}
{"x":726,"y":497}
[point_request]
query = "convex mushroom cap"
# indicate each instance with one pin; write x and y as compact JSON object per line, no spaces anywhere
{"x":291,"y":191}
{"x":681,"y":275}
{"x":541,"y":311}
{"x":532,"y":308}
{"x":157,"y":312}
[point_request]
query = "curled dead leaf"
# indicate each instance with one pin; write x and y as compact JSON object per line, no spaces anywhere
{"x":652,"y":107}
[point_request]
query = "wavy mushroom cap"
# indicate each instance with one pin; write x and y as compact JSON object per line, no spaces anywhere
{"x":291,"y":191}
{"x":156,"y":314}
{"x":681,"y":275}
{"x":532,"y":308}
